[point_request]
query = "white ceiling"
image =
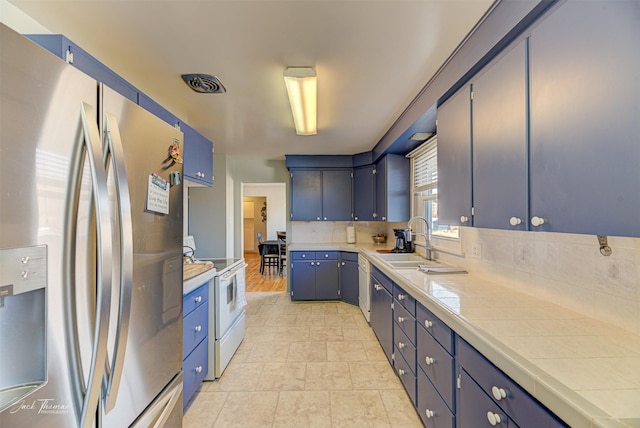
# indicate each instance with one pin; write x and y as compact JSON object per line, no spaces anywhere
{"x":372,"y":58}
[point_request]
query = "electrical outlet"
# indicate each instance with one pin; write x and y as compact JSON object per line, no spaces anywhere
{"x":476,"y":251}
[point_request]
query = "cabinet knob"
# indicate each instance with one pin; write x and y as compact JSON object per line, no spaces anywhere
{"x":464,"y":219}
{"x":401,"y":345}
{"x":401,"y":372}
{"x":197,"y":328}
{"x":198,"y":299}
{"x":429,"y":360}
{"x":498,"y":393}
{"x":304,"y":256}
{"x":428,"y":324}
{"x":429,"y":413}
{"x":356,"y":218}
{"x":317,"y":218}
{"x":537,"y":221}
{"x":401,"y":297}
{"x":400,"y":320}
{"x":342,"y":264}
{"x":384,"y":218}
{"x":324,"y":218}
{"x":199,"y":369}
{"x":326,"y":255}
{"x":377,"y":287}
{"x":514,"y":221}
{"x":494,"y":418}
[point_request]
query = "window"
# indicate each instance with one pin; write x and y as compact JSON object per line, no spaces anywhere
{"x":424,"y":187}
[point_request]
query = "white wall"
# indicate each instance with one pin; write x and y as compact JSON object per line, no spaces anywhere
{"x":276,"y":194}
{"x":14,"y":18}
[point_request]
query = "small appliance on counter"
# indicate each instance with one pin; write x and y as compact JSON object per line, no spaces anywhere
{"x":403,"y":245}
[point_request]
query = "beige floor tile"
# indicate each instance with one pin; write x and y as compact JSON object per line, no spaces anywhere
{"x":242,"y":352}
{"x":328,"y":376}
{"x":311,"y":319}
{"x":307,"y":351}
{"x":248,"y":409}
{"x":257,"y":320}
{"x":260,"y":334}
{"x":267,"y":352}
{"x":238,"y":377}
{"x":325,"y":308}
{"x":339,"y":319}
{"x":279,"y":319}
{"x":345,"y":351}
{"x":374,"y":351}
{"x":282,"y":377}
{"x":291,"y":333}
{"x":358,"y":333}
{"x":373,"y":375}
{"x":326,"y":333}
{"x":345,"y":308}
{"x":358,"y":409}
{"x":203,"y":411}
{"x":399,"y":409}
{"x":303,"y":409}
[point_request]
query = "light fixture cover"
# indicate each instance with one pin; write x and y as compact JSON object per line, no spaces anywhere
{"x":302,"y":87}
{"x":421,"y":136}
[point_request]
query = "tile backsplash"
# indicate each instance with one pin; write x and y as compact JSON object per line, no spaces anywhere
{"x":566,"y":269}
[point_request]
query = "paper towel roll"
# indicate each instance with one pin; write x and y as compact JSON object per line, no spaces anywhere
{"x":351,"y":235}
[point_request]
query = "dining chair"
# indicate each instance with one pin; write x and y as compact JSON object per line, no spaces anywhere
{"x":282,"y":254}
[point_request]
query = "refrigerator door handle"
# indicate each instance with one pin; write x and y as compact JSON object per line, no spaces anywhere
{"x":88,"y":146}
{"x":114,"y":153}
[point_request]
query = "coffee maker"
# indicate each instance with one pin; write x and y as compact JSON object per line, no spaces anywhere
{"x":403,"y":245}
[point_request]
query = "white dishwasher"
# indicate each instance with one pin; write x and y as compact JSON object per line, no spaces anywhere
{"x":364,"y":294}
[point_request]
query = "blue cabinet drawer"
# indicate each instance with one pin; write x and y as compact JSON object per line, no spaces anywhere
{"x":194,"y":329}
{"x":405,"y":321}
{"x":194,"y":299}
{"x":521,"y":407}
{"x":195,"y":369}
{"x":326,"y":255}
{"x":407,"y":377}
{"x":437,"y":364}
{"x":405,"y":299}
{"x":432,"y":410}
{"x":435,"y":327}
{"x":403,"y":346}
{"x":377,"y":277}
{"x":303,"y":255}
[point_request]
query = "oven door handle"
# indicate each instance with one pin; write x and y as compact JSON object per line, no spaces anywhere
{"x":233,"y":272}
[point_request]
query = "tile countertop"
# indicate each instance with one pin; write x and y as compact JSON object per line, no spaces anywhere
{"x":587,"y":372}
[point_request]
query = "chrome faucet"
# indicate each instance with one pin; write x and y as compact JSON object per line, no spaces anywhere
{"x":427,"y":235}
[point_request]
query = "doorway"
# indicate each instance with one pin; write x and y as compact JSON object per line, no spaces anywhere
{"x":263,"y":210}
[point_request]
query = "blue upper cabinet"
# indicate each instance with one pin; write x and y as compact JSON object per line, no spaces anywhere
{"x":198,"y":156}
{"x":153,"y":107}
{"x":499,"y":123}
{"x":392,"y":192}
{"x":585,"y":122}
{"x":363,"y":193}
{"x":321,"y":195}
{"x":64,"y":48}
{"x":454,"y":160}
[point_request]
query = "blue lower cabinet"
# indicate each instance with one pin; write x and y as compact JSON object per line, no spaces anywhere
{"x":404,"y":347}
{"x":406,"y":375}
{"x":194,"y":368}
{"x":476,"y":409}
{"x":349,"y":277}
{"x":432,"y":410}
{"x":195,"y":334}
{"x":507,"y":395}
{"x":382,"y":316}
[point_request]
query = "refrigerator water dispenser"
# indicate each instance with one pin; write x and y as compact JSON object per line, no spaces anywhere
{"x":23,"y":360}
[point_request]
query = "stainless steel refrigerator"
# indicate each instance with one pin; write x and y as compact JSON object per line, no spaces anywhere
{"x":90,"y":251}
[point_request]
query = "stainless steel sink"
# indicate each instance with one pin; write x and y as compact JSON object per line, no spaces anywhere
{"x":401,"y":257}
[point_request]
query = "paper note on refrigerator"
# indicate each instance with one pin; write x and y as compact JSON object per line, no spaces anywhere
{"x":158,"y":194}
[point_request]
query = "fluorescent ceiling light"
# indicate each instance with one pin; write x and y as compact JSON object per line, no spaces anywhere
{"x":302,"y":87}
{"x":421,"y":136}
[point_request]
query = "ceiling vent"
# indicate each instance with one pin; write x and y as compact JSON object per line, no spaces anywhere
{"x":204,"y":83}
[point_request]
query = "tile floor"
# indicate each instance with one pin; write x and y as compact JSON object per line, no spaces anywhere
{"x":304,"y":364}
